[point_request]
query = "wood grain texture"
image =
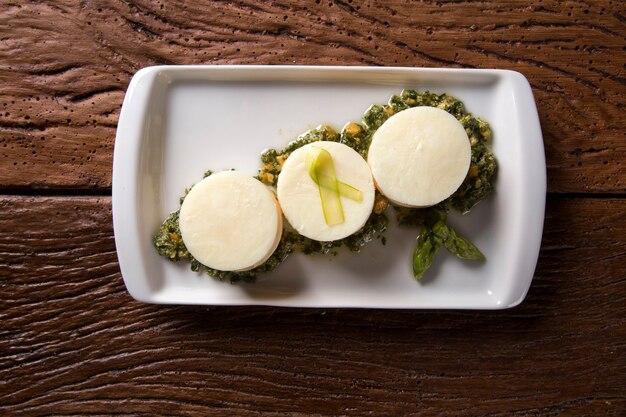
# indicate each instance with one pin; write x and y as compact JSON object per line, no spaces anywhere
{"x":75,"y":343}
{"x":64,"y":67}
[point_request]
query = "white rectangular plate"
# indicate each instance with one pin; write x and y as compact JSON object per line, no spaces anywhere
{"x":177,"y":122}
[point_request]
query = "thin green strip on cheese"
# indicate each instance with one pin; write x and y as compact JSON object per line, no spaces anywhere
{"x":299,"y":193}
{"x":344,"y":189}
{"x":322,"y":172}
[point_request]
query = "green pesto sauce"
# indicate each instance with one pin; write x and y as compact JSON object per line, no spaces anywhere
{"x":169,"y":244}
{"x":477,"y":185}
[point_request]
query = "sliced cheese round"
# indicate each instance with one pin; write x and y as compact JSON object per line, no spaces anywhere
{"x":230,"y":221}
{"x":419,"y":156}
{"x":299,"y":195}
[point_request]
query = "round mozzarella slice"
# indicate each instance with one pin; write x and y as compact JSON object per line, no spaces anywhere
{"x":299,"y":195}
{"x":230,"y":221}
{"x":419,"y":156}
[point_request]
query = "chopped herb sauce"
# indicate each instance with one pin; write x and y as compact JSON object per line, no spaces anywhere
{"x":358,"y":135}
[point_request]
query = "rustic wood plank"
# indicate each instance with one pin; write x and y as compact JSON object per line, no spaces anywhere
{"x":64,"y":66}
{"x":75,"y":343}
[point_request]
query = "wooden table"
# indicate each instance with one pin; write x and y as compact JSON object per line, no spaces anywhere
{"x":73,"y":342}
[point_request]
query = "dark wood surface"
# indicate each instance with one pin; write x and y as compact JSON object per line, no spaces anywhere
{"x":73,"y":342}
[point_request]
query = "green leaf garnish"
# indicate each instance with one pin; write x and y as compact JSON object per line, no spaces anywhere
{"x":461,"y":247}
{"x":424,"y":253}
{"x":433,"y":236}
{"x":456,"y":244}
